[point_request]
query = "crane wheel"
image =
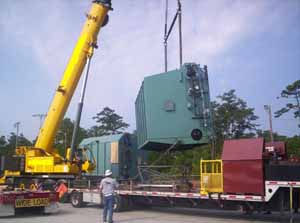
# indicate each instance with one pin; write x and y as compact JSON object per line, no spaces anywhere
{"x":76,"y":199}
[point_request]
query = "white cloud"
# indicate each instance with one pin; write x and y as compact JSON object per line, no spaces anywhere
{"x":131,"y":44}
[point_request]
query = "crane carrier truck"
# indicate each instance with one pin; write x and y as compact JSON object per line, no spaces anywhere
{"x":31,"y":166}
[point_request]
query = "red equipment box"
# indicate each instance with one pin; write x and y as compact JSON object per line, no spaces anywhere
{"x":243,"y":166}
{"x":279,"y":147}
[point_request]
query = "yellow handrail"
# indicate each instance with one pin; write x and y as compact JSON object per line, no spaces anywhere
{"x":211,"y":176}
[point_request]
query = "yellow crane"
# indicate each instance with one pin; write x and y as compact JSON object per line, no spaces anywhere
{"x":43,"y":158}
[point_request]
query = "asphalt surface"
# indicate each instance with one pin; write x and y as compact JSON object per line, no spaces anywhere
{"x":91,"y":214}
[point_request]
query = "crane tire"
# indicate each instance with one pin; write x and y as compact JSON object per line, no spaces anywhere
{"x":76,"y":199}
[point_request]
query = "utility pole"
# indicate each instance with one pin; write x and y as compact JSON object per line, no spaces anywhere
{"x":41,"y":117}
{"x":269,"y":111}
{"x":17,"y":126}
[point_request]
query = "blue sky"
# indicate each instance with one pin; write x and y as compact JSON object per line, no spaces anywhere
{"x":250,"y":46}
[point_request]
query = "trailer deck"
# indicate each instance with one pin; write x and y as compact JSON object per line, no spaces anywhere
{"x":271,"y":188}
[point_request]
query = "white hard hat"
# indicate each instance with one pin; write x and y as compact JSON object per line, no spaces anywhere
{"x":108,"y":173}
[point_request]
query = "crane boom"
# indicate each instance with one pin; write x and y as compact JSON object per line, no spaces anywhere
{"x":36,"y":162}
{"x":82,"y":51}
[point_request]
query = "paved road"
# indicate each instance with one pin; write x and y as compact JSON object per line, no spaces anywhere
{"x":92,"y":214}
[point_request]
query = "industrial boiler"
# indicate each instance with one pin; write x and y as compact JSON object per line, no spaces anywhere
{"x":116,"y":152}
{"x":174,"y":108}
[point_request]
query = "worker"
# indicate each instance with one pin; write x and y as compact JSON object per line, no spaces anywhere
{"x":107,"y":188}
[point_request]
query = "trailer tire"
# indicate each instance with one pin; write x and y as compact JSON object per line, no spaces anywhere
{"x":76,"y":199}
{"x":119,"y":204}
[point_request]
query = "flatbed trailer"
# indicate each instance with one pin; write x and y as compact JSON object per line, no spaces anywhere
{"x":249,"y":177}
{"x":279,"y":196}
{"x":11,"y":202}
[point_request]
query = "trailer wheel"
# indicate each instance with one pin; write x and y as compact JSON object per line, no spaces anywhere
{"x":76,"y":199}
{"x":246,"y":209}
{"x":119,"y":204}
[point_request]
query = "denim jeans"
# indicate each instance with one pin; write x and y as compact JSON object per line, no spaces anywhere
{"x":108,"y":203}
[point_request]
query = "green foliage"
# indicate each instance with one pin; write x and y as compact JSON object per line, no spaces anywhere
{"x":232,"y":117}
{"x":2,"y":141}
{"x":22,"y":141}
{"x":109,"y":123}
{"x":3,"y":146}
{"x":64,"y":136}
{"x":293,"y":145}
{"x":291,"y":91}
{"x":266,"y":135}
{"x":95,"y":131}
{"x":190,"y":159}
{"x":8,"y":146}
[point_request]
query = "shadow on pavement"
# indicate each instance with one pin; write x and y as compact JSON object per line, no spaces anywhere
{"x":274,"y":217}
